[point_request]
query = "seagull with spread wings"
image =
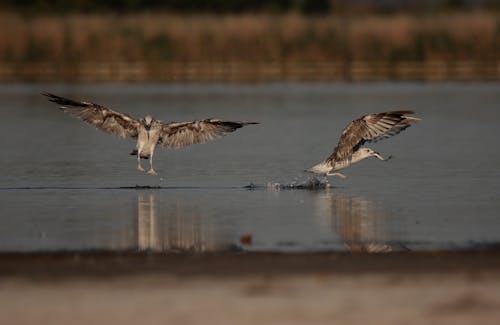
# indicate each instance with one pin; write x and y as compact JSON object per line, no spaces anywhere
{"x":368,"y":128}
{"x":148,"y":131}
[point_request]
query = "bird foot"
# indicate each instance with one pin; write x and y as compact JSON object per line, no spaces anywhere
{"x":152,"y":172}
{"x":139,"y":168}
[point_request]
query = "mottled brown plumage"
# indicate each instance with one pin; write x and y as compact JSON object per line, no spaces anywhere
{"x":147,"y":131}
{"x":370,"y":128}
{"x":181,"y":134}
{"x":103,"y":118}
{"x":366,"y":129}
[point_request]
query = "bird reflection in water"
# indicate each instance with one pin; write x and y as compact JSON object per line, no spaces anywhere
{"x":361,"y":224}
{"x":174,"y":227}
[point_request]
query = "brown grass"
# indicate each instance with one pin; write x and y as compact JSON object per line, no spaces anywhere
{"x":237,"y":40}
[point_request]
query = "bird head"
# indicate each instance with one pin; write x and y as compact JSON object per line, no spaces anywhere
{"x":147,"y":121}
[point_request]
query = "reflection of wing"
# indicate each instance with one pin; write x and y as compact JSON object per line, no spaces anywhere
{"x":370,"y":128}
{"x":361,"y":224}
{"x":183,"y":134}
{"x":101,"y":117}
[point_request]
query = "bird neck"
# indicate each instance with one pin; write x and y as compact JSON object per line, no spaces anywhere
{"x":359,"y":155}
{"x":355,"y":157}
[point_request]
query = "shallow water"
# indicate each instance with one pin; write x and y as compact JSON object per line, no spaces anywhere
{"x":66,"y":186}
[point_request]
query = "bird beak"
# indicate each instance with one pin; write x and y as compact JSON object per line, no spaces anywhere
{"x":376,"y":154}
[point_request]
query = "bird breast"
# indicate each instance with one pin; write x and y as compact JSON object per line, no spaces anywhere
{"x":148,"y":138}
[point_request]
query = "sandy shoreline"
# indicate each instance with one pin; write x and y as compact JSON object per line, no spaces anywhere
{"x":248,"y":288}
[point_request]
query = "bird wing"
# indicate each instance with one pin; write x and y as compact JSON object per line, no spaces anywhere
{"x":103,"y":118}
{"x":370,"y":128}
{"x":182,"y":134}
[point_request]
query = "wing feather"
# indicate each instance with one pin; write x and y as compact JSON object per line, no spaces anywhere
{"x":371,"y":128}
{"x":103,"y":118}
{"x":182,"y":134}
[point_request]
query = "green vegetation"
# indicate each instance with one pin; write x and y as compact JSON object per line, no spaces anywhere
{"x":242,"y":6}
{"x":178,"y":6}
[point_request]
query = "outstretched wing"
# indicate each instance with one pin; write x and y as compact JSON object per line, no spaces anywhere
{"x":182,"y":134}
{"x":101,"y":117}
{"x":370,"y":128}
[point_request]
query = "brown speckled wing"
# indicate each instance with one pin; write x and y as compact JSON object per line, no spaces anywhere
{"x":182,"y":134}
{"x":101,"y":117}
{"x":370,"y":128}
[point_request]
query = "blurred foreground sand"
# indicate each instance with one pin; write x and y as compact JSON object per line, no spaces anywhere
{"x":251,"y":289}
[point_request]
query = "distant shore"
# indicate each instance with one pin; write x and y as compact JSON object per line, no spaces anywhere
{"x":445,"y":46}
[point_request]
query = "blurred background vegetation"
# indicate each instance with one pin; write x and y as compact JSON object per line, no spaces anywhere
{"x":239,"y":40}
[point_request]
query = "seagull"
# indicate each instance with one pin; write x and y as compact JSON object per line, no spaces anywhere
{"x":148,"y":131}
{"x":368,"y":128}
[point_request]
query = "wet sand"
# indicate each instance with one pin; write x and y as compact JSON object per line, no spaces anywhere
{"x":248,"y":288}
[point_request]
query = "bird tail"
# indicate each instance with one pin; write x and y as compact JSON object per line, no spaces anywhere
{"x":134,"y":153}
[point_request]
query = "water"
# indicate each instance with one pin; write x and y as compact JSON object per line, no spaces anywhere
{"x":67,"y":187}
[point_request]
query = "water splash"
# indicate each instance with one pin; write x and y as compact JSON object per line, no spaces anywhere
{"x":312,"y":183}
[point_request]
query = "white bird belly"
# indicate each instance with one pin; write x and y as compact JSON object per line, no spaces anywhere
{"x":146,"y":141}
{"x":326,"y":167}
{"x":321,"y":168}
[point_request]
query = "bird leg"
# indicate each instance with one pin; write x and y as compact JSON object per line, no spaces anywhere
{"x":326,"y":181}
{"x":337,"y":174}
{"x":139,"y":167}
{"x":151,"y":171}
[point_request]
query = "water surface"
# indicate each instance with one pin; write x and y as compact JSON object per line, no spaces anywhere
{"x":66,"y":186}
